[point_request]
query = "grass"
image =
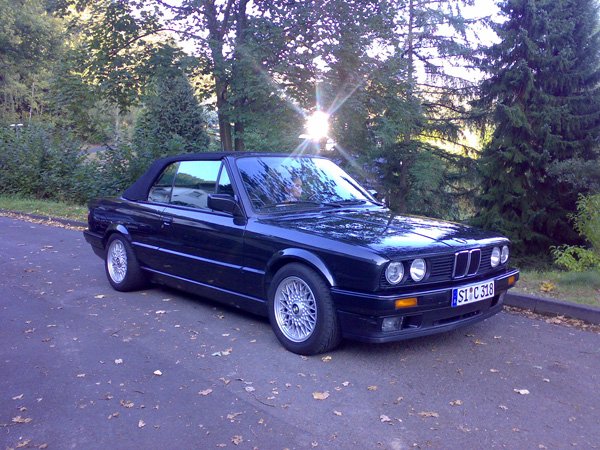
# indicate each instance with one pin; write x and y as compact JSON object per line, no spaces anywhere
{"x":576,"y":287}
{"x":44,"y":208}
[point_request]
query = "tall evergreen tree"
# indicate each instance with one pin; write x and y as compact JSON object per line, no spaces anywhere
{"x":425,"y":92}
{"x":172,"y":120}
{"x":544,"y":99}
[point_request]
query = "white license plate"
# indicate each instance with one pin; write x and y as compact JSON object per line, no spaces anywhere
{"x":472,"y":294}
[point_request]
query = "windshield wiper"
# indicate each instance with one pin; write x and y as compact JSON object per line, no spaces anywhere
{"x":342,"y":203}
{"x":292,"y":202}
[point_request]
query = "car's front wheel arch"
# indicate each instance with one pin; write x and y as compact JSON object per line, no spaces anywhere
{"x":296,"y":255}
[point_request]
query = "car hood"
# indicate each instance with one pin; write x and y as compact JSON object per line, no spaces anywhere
{"x":387,"y":233}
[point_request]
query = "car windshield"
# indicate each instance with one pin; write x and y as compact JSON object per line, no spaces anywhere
{"x":274,"y":182}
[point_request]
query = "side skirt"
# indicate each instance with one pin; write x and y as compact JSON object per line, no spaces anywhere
{"x":252,"y":304}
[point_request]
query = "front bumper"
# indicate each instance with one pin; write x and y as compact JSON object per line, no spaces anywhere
{"x":361,"y":316}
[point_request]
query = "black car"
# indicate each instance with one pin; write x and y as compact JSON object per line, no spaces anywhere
{"x":297,"y":239}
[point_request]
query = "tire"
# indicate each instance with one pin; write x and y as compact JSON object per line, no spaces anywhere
{"x":122,"y":268}
{"x":301,"y":311}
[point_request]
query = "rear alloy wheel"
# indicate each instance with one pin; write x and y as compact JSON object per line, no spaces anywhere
{"x":122,"y":268}
{"x":301,"y":311}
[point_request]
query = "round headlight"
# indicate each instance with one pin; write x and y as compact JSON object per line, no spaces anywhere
{"x":495,"y":258}
{"x":418,"y":269}
{"x":504,"y":255}
{"x":394,"y":272}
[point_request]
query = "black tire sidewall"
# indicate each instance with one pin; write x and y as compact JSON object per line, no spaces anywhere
{"x":326,"y":334}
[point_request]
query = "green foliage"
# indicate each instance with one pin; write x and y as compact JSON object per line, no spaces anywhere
{"x":587,"y":224}
{"x":30,"y":41}
{"x":575,"y":259}
{"x":42,"y":162}
{"x":587,"y":219}
{"x":544,"y":102}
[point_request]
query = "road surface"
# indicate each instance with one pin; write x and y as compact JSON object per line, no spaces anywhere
{"x":83,"y":366}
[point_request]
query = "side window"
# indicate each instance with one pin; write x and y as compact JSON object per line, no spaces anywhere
{"x":224,"y":186}
{"x":193,"y":182}
{"x":160,"y":192}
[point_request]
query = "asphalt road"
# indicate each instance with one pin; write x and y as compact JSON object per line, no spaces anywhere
{"x":79,"y":362}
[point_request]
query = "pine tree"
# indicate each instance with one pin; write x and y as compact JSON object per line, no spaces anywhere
{"x":544,"y":97}
{"x":172,"y":120}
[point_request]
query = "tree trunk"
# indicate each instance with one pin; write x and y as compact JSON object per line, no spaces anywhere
{"x":240,"y":146}
{"x":224,"y":124}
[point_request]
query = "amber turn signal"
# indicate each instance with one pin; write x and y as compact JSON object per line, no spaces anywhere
{"x":511,"y":280}
{"x":406,"y":302}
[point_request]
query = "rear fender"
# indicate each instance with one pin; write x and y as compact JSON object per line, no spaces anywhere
{"x":117,"y":228}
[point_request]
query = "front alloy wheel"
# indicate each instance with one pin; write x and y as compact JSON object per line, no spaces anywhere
{"x":301,"y":311}
{"x":295,"y":309}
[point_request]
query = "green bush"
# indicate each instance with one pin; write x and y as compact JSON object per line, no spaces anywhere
{"x":587,"y":224}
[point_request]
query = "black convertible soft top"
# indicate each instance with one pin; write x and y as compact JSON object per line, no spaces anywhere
{"x":139,"y":190}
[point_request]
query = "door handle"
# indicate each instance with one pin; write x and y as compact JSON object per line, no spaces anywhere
{"x":166,"y":221}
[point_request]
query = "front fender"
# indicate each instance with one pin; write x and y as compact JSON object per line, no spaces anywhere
{"x":289,"y":255}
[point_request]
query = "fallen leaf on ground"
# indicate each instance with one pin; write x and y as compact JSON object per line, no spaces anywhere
{"x":18,"y":397}
{"x":158,"y":373}
{"x":337,"y":413}
{"x":372,"y":388}
{"x":118,"y":361}
{"x":160,"y":311}
{"x":521,"y":391}
{"x":24,"y":443}
{"x":547,"y":286}
{"x":478,"y":342}
{"x":428,"y":414}
{"x":141,"y":424}
{"x":80,"y":375}
{"x":398,"y":400}
{"x":232,"y":416}
{"x":237,"y":440}
{"x":346,"y":383}
{"x":249,"y":389}
{"x":384,"y":418}
{"x":456,"y":403}
{"x":326,"y":358}
{"x":126,"y":403}
{"x":494,"y":370}
{"x":205,"y":392}
{"x":99,"y":296}
{"x":503,"y":407}
{"x":320,"y":395}
{"x":20,"y":419}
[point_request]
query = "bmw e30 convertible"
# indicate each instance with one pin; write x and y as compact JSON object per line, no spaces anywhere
{"x":298,"y":239}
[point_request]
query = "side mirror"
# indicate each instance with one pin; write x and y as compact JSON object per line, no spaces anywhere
{"x":225,"y":203}
{"x":374,"y":193}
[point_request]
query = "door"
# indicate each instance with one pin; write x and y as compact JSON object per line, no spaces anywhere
{"x":199,"y":244}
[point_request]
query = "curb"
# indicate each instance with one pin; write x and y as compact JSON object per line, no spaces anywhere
{"x":71,"y":223}
{"x":552,"y":307}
